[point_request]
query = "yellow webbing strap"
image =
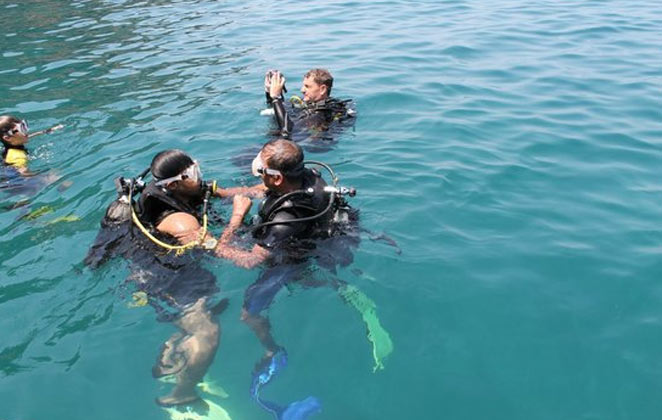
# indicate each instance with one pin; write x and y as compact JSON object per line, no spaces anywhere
{"x":179,"y":249}
{"x":295,"y":100}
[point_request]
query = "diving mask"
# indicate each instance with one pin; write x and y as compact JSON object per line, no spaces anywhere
{"x":192,"y":172}
{"x":258,"y":167}
{"x":21,"y":127}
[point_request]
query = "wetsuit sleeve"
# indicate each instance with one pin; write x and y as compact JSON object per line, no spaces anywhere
{"x":280,"y":233}
{"x":282,"y":118}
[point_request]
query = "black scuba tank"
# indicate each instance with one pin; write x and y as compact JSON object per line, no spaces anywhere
{"x":119,"y":211}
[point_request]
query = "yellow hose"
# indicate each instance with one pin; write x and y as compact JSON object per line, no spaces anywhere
{"x":180,"y":249}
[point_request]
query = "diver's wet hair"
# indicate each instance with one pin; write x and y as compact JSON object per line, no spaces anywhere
{"x":321,"y":77}
{"x":169,"y":163}
{"x":285,"y":156}
{"x":7,"y":123}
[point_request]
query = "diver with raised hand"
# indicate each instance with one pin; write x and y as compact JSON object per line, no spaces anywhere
{"x":315,"y":120}
{"x":300,"y":219}
{"x":160,"y":226}
{"x":316,"y":117}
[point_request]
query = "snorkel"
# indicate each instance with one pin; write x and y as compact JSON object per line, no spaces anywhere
{"x":46,"y":131}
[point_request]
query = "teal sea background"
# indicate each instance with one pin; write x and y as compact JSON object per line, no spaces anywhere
{"x":512,"y":148}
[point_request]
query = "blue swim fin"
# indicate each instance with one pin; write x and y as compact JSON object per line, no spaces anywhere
{"x":266,"y":369}
{"x":301,"y":410}
{"x":298,"y":410}
{"x":264,"y":372}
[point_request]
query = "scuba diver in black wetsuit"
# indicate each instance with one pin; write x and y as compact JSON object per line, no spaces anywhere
{"x":316,"y":117}
{"x":315,"y":121}
{"x":170,"y":214}
{"x":299,"y":214}
{"x":16,"y":177}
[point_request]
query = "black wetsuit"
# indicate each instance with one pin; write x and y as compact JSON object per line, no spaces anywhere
{"x":293,"y":244}
{"x":316,"y":126}
{"x":319,"y":122}
{"x":156,"y":203}
{"x":176,"y":280}
{"x":309,"y":201}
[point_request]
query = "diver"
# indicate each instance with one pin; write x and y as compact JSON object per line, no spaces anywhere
{"x":301,"y":219}
{"x":316,"y":118}
{"x":15,"y":177}
{"x":145,"y":225}
{"x":298,"y":204}
{"x":314,"y":121}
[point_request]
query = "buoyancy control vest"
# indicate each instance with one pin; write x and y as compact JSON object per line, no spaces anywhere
{"x":155,"y":203}
{"x":303,"y":204}
{"x":331,"y":105}
{"x":326,"y":110}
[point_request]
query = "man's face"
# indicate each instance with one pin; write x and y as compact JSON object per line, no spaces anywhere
{"x":189,"y":187}
{"x":313,"y":92}
{"x":188,"y":183}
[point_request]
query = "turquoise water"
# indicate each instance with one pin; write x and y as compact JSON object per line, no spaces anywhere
{"x":513,"y":149}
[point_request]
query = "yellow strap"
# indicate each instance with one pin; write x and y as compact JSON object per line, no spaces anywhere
{"x":296,"y":99}
{"x":178,"y":248}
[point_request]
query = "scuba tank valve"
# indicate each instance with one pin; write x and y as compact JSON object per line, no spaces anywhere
{"x":340,"y":190}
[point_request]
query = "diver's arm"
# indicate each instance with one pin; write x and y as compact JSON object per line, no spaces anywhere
{"x":241,"y":257}
{"x":46,"y":131}
{"x":276,"y":87}
{"x":186,"y":229}
{"x":233,"y":225}
{"x":282,"y":118}
{"x":256,"y":191}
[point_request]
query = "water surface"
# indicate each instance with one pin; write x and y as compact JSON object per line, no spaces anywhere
{"x":511,"y":148}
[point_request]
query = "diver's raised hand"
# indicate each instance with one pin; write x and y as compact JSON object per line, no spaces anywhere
{"x":267,"y":80}
{"x":276,"y":85}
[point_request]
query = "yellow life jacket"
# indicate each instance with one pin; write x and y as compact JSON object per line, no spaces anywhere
{"x":16,"y":157}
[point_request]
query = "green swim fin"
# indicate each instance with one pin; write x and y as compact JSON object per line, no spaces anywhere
{"x":37,"y":213}
{"x":382,"y":345}
{"x":69,"y":218}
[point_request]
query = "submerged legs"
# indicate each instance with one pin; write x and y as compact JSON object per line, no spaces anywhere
{"x":188,"y":353}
